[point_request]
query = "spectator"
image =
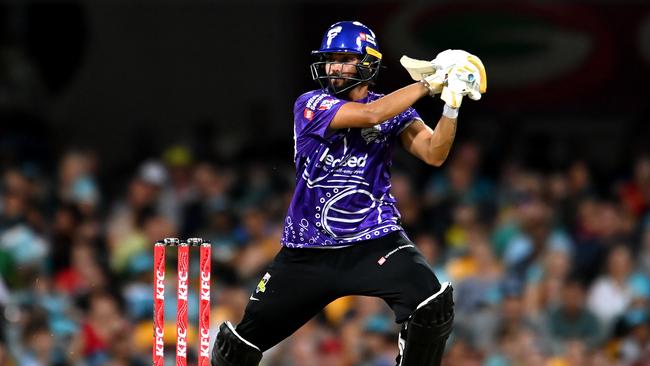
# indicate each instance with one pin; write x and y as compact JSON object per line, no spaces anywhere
{"x":535,"y":237}
{"x":644,"y":256}
{"x":477,"y":276}
{"x":571,"y":320}
{"x":544,"y":279}
{"x":379,"y":346}
{"x":5,"y":358}
{"x":103,"y":324}
{"x":84,"y":275}
{"x":77,"y":184}
{"x":635,"y":346}
{"x":39,"y":345}
{"x":431,"y":249}
{"x":635,"y":194}
{"x":65,"y":259}
{"x":610,"y":295}
{"x":261,"y":239}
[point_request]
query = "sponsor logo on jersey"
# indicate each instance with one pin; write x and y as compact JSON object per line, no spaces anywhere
{"x":318,"y":102}
{"x":313,"y":102}
{"x":327,"y":104}
{"x":351,"y":162}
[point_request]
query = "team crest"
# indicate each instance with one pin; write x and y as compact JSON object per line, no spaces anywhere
{"x":261,"y":286}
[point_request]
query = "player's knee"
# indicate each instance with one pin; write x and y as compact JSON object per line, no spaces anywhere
{"x":437,"y":311}
{"x":230,"y":349}
{"x":422,"y":289}
{"x":424,"y":335}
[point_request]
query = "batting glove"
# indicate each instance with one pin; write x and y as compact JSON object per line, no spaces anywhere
{"x":435,"y":74}
{"x":424,"y":71}
{"x":462,"y":79}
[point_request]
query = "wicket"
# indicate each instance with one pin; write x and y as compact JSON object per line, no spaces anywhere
{"x":182,"y":298}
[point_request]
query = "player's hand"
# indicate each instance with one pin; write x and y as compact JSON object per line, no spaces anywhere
{"x":436,"y":73}
{"x":462,"y":79}
{"x":447,"y":59}
{"x":465,"y":76}
{"x":421,"y":70}
{"x":435,"y":82}
{"x":425,"y":71}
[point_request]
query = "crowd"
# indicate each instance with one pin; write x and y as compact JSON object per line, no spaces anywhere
{"x":549,"y":267}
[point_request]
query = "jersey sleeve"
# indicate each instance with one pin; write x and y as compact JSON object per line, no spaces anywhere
{"x":313,"y":113}
{"x":403,"y":120}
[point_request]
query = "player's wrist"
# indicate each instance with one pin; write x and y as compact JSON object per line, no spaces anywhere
{"x":428,"y":89}
{"x":449,"y":111}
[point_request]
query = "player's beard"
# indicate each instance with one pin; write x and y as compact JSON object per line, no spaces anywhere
{"x":335,"y":89}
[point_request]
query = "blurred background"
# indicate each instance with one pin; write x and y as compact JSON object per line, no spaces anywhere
{"x":123,"y":122}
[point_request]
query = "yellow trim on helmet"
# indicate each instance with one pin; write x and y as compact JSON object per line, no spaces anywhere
{"x":373,"y":52}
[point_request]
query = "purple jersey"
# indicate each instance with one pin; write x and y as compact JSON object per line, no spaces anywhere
{"x":343,"y":184}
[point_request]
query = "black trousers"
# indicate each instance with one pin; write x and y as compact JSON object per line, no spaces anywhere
{"x":301,"y":282}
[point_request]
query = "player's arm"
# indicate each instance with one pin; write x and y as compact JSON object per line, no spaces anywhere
{"x":360,"y":115}
{"x":430,"y":146}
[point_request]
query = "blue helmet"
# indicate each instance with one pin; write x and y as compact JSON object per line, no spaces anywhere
{"x":347,"y":37}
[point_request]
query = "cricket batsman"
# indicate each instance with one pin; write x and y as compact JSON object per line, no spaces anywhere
{"x":342,"y":234}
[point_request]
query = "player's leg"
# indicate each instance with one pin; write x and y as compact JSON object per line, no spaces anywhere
{"x":231,"y":349}
{"x":294,"y":289}
{"x":394,"y":269}
{"x":423,"y":336}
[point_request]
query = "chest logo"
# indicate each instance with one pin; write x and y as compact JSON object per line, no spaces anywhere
{"x":373,"y":133}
